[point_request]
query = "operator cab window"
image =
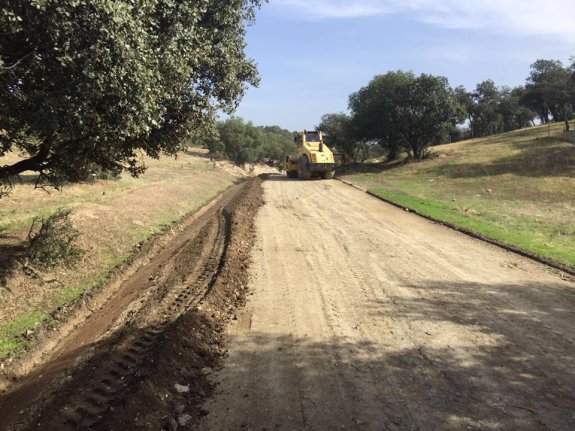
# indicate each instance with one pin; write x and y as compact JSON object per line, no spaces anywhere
{"x":312,"y":137}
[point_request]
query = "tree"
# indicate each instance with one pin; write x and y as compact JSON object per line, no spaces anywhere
{"x":402,"y":111}
{"x":550,"y":89}
{"x":428,"y":113}
{"x":87,"y":85}
{"x":487,"y":119}
{"x":340,"y":136}
{"x":243,"y":142}
{"x":514,"y":115}
{"x":374,"y":111}
{"x":467,"y":106}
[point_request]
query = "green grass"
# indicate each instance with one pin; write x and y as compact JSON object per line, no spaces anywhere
{"x":11,"y":340}
{"x":517,"y":188}
{"x":10,"y":332}
{"x":542,"y":241}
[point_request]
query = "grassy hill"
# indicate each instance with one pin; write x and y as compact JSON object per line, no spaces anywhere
{"x":112,"y":218}
{"x":517,"y":188}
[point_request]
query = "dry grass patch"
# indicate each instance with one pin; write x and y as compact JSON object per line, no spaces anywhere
{"x":112,"y":217}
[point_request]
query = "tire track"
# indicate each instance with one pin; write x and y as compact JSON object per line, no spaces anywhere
{"x":110,"y":382}
{"x":102,"y":380}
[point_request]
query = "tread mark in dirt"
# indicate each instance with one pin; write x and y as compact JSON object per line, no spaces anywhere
{"x":87,"y":410}
{"x":105,"y":379}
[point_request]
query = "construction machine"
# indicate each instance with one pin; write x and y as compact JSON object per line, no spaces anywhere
{"x":313,"y":157}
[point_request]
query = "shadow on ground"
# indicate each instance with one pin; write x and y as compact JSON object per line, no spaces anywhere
{"x":541,"y":158}
{"x":202,"y":154}
{"x":513,"y":384}
{"x":494,"y":357}
{"x":370,"y":168}
{"x":11,"y":250}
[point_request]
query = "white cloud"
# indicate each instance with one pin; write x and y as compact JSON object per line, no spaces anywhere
{"x":518,"y":17}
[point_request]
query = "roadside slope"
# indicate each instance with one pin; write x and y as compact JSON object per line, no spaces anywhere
{"x":159,"y":326}
{"x":367,"y":317}
{"x":113,"y":218}
{"x":517,"y":188}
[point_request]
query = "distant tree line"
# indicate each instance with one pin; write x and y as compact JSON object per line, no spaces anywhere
{"x":401,"y":112}
{"x":243,"y":142}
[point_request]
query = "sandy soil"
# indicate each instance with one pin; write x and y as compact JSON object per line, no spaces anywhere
{"x":366,"y":317}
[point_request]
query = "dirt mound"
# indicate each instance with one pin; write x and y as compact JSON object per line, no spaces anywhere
{"x":143,"y":359}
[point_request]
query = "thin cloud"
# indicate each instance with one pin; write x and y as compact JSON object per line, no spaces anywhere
{"x":326,"y":9}
{"x":515,"y":17}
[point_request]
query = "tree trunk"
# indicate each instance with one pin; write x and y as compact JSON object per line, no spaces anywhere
{"x":393,"y":149}
{"x":34,"y":163}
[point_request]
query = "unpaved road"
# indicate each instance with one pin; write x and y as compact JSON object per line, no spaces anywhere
{"x":366,"y":317}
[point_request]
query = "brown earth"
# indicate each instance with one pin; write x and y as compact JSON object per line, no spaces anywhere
{"x":366,"y":317}
{"x":363,"y":317}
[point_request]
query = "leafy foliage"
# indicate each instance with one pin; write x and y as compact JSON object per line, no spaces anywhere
{"x":342,"y":137}
{"x":243,"y":142}
{"x":51,"y":241}
{"x":402,"y":111}
{"x":550,"y":89}
{"x":87,"y":85}
{"x":491,"y":110}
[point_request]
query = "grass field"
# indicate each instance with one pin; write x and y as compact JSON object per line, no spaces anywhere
{"x":112,"y":217}
{"x":518,"y":188}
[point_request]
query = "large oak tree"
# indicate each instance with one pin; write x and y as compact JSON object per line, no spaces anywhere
{"x":92,"y":85}
{"x":402,"y":111}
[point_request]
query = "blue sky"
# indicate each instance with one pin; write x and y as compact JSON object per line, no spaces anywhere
{"x":312,"y":54}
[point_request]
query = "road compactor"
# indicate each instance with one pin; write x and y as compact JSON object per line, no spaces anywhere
{"x":313,"y":157}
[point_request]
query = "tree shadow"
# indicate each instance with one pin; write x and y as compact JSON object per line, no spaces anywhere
{"x":544,"y":157}
{"x":346,"y":385}
{"x":27,"y":179}
{"x":284,"y":178}
{"x":11,"y":251}
{"x":281,"y":381}
{"x":121,"y":381}
{"x":202,"y":154}
{"x":371,"y":168}
{"x":474,"y":356}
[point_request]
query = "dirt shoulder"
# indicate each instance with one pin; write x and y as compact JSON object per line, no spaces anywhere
{"x":367,"y":317}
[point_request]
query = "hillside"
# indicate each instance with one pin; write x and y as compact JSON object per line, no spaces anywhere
{"x":517,"y":188}
{"x":113,"y":218}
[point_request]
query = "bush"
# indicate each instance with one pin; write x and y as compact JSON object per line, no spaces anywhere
{"x":52,"y":241}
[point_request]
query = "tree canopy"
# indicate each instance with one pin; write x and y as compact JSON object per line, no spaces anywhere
{"x":550,"y":90}
{"x":243,"y":142}
{"x":343,"y":138}
{"x":402,"y":111}
{"x":93,"y":85}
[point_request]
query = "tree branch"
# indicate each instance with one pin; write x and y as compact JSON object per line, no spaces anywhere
{"x":5,"y":68}
{"x":34,"y":163}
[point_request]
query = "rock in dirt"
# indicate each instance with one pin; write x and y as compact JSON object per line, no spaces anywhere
{"x":184,"y":419}
{"x":182,"y":388}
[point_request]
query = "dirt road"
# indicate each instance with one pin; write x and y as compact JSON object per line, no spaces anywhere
{"x":366,"y":317}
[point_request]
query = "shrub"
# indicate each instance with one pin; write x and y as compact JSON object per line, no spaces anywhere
{"x":52,"y":241}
